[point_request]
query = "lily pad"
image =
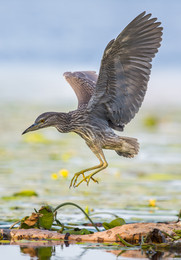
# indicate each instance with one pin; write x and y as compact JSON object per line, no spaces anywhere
{"x":78,"y":231}
{"x":46,"y":217}
{"x":114,"y":223}
{"x":25,"y":193}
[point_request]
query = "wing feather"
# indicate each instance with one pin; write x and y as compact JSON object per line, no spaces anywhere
{"x":125,"y":71}
{"x":83,"y":83}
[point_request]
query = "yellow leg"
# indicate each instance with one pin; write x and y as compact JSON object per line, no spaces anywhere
{"x":103,"y":164}
{"x":76,"y":175}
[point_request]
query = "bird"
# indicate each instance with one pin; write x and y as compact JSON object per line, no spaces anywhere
{"x":108,"y":101}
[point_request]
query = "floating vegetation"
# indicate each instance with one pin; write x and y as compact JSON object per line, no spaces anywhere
{"x":35,"y":138}
{"x":119,"y":237}
{"x":150,"y":121}
{"x":23,"y":193}
{"x":46,"y":218}
{"x":114,"y":223}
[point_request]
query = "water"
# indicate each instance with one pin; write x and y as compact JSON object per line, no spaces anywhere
{"x":39,"y":41}
{"x":82,"y":251}
{"x":125,"y":187}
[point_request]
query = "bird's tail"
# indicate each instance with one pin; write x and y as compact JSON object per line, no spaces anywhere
{"x":129,"y":147}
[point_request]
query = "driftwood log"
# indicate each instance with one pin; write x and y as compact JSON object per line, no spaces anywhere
{"x":131,"y":233}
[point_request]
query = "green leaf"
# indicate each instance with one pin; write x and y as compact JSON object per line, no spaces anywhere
{"x":106,"y":225}
{"x":177,"y":231}
{"x":4,"y":242}
{"x":46,"y":217}
{"x":114,"y":223}
{"x":78,"y":231}
{"x":25,"y":193}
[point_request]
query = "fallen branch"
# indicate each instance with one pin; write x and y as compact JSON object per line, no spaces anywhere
{"x":131,"y":233}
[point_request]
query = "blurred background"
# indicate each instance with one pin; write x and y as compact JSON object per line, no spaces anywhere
{"x":39,"y":40}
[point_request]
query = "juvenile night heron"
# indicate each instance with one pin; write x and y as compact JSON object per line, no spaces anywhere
{"x":109,"y":101}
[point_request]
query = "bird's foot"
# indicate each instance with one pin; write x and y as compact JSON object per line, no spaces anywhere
{"x":87,"y":179}
{"x":74,"y":179}
{"x":91,"y":178}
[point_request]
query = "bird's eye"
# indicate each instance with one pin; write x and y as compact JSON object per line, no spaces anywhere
{"x":42,"y":121}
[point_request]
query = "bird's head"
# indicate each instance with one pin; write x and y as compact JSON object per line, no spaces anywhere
{"x":42,"y":121}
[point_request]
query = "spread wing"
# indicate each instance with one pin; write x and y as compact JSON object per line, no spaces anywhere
{"x":125,"y":70}
{"x":83,"y":83}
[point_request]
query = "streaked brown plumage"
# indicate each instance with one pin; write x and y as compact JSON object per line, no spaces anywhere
{"x":109,"y":101}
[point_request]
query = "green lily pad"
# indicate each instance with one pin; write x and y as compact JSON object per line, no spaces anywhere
{"x":78,"y":231}
{"x":25,"y":193}
{"x":46,"y":217}
{"x":4,"y":241}
{"x":150,"y":121}
{"x":114,"y":223}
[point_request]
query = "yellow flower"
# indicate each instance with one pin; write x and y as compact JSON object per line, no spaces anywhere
{"x":64,"y":173}
{"x":87,"y":210}
{"x":152,"y":203}
{"x":54,"y":176}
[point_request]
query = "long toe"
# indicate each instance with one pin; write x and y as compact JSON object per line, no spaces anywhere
{"x":75,"y":178}
{"x":94,"y":180}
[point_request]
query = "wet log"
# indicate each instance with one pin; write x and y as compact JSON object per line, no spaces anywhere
{"x":132,"y":233}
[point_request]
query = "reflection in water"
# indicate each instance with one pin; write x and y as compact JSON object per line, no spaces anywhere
{"x":40,"y":252}
{"x":86,"y":251}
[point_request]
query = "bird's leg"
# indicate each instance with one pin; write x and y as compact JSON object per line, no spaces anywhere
{"x":102,"y":166}
{"x":76,"y":175}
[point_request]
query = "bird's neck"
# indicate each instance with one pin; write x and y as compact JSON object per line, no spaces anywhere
{"x":70,"y":122}
{"x":62,"y":122}
{"x":77,"y":119}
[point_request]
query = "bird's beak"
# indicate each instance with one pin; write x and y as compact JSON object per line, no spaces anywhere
{"x":31,"y":128}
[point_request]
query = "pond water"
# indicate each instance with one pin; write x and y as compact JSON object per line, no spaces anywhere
{"x":146,"y":188}
{"x":80,"y":251}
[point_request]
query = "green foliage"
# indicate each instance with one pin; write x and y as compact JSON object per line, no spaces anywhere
{"x":78,"y":231}
{"x":114,"y":223}
{"x":150,"y":121}
{"x":42,"y":219}
{"x":4,"y":242}
{"x":46,"y":217}
{"x":25,"y":193}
